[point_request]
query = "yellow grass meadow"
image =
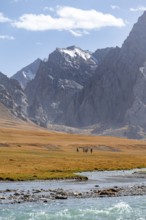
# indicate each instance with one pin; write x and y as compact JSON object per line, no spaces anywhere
{"x":28,"y":154}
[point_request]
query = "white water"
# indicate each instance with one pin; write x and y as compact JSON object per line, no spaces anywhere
{"x":123,"y":208}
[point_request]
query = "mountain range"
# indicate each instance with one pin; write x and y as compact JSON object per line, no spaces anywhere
{"x":102,"y":93}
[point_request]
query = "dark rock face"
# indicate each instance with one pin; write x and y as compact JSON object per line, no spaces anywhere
{"x":12,"y":96}
{"x":28,"y":73}
{"x":116,"y":93}
{"x":64,"y":74}
{"x":100,"y":54}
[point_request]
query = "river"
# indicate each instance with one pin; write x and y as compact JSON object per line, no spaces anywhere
{"x":111,"y":208}
{"x":121,"y":208}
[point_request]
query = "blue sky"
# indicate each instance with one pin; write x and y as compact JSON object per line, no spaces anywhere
{"x":34,"y":28}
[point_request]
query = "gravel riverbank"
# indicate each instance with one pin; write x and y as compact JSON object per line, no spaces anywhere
{"x":100,"y":184}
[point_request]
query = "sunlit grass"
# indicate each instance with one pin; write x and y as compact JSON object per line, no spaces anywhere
{"x":39,"y":154}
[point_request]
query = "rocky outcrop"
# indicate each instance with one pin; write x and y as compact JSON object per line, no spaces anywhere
{"x":28,"y":73}
{"x":12,"y":96}
{"x":115,"y":95}
{"x":58,"y":79}
{"x":135,"y":115}
{"x":100,"y":54}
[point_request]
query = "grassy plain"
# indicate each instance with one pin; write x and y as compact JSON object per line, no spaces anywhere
{"x":38,"y":154}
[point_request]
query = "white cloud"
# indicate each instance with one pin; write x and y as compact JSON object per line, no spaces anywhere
{"x":3,"y":18}
{"x":70,"y":19}
{"x":78,"y":33}
{"x":6,"y":37}
{"x":115,"y":7}
{"x":140,"y":8}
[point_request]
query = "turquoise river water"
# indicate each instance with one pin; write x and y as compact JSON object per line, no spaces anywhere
{"x":122,"y":208}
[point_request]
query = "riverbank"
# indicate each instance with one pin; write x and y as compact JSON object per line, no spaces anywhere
{"x":40,"y":195}
{"x":99,"y":184}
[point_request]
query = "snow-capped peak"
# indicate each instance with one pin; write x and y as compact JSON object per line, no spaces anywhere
{"x":75,"y":52}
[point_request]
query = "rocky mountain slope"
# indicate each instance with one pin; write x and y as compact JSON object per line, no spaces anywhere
{"x":13,"y":96}
{"x":100,"y":54}
{"x":10,"y":121}
{"x":115,"y":96}
{"x":27,"y":73}
{"x":61,"y":77}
